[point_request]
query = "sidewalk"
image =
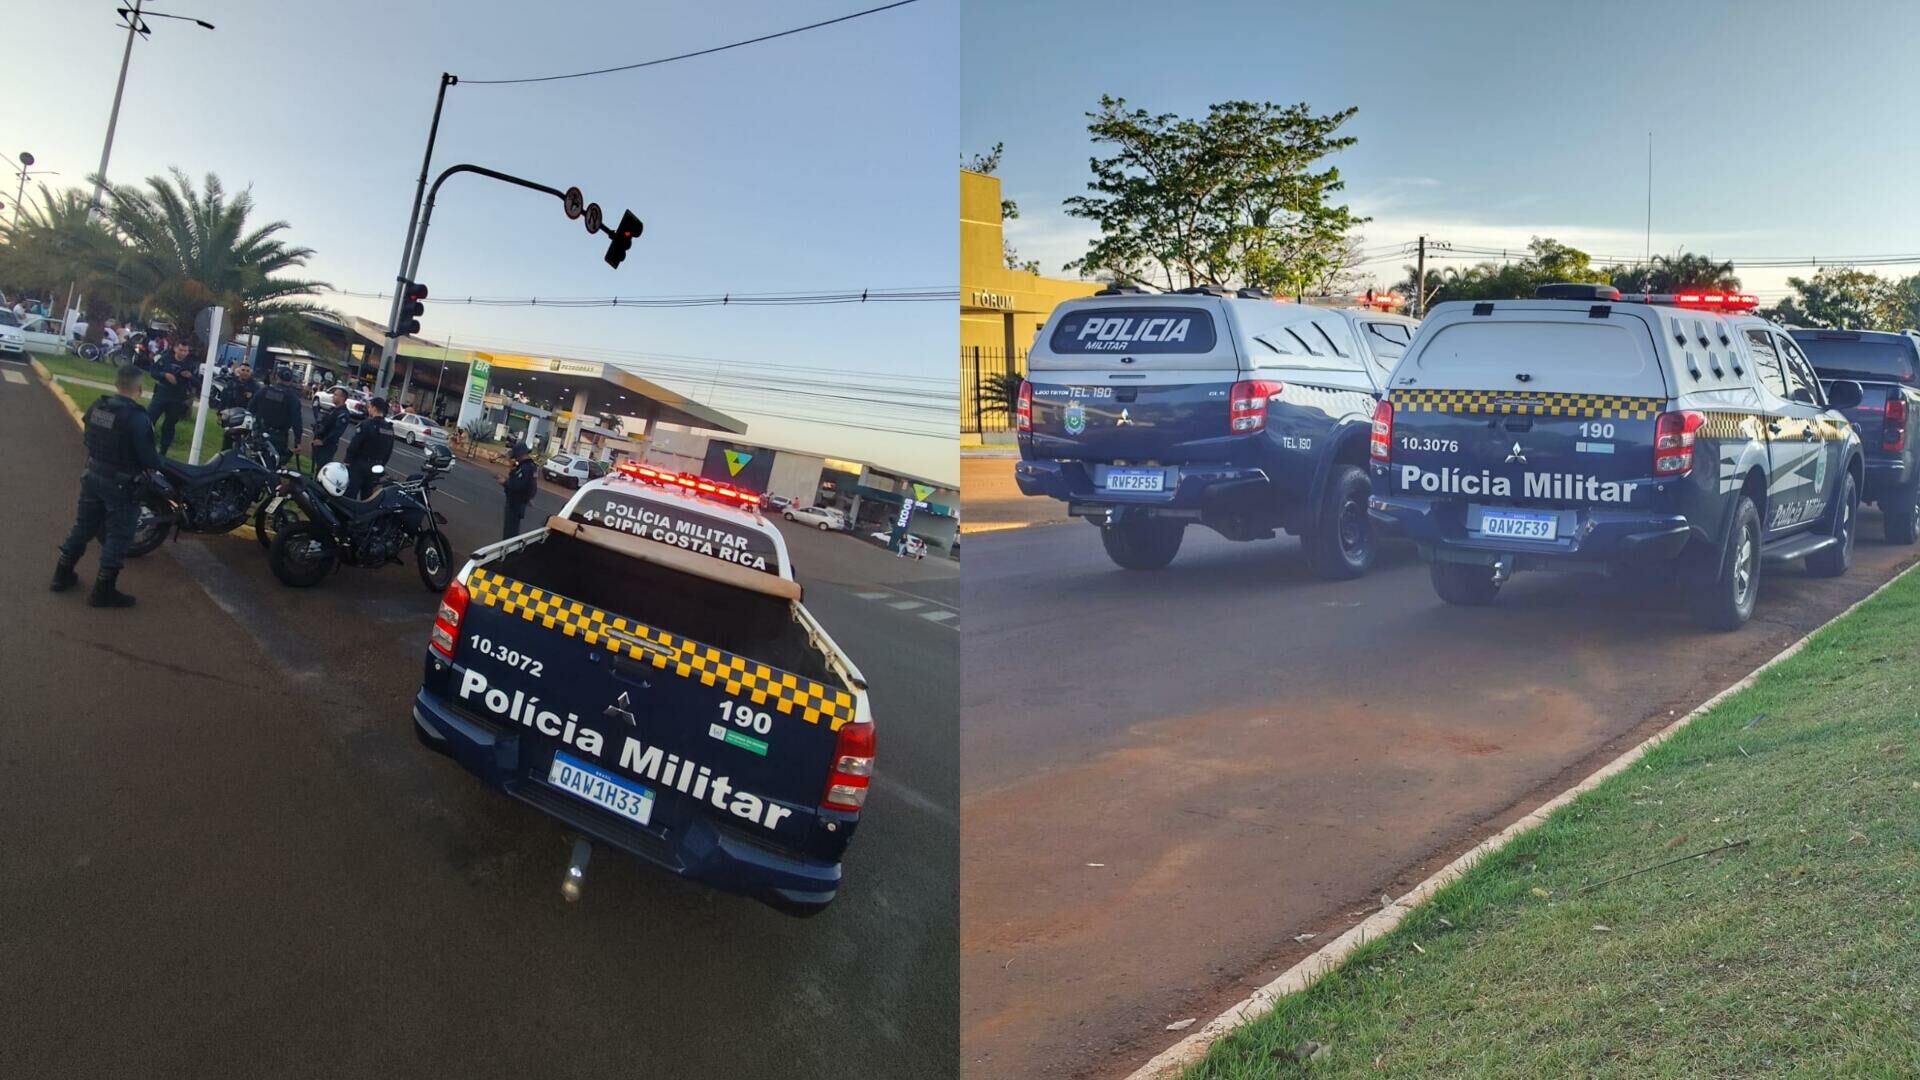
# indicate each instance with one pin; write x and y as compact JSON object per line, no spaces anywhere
{"x":991,"y":501}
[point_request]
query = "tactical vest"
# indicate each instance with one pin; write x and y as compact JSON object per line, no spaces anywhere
{"x":109,"y":440}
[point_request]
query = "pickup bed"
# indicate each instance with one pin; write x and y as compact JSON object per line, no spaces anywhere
{"x":643,"y":670}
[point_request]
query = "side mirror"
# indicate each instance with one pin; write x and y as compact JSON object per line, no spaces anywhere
{"x":1843,"y":394}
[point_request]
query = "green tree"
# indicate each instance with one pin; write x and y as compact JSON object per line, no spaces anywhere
{"x":1000,"y":393}
{"x":1232,"y":198}
{"x":54,"y":244}
{"x":1842,"y":297}
{"x":1675,"y":273}
{"x":1547,"y":261}
{"x":184,"y":250}
{"x":989,"y":163}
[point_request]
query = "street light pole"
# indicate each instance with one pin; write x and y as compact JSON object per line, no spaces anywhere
{"x":391,"y":340}
{"x":113,"y":118}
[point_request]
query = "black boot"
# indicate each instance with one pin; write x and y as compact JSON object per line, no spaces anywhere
{"x":63,"y":576}
{"x":104,"y":593}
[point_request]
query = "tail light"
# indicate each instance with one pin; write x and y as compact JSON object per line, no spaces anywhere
{"x":1673,"y":436}
{"x":852,"y":768}
{"x":1247,"y":407}
{"x":1380,"y":443}
{"x":1893,"y":433}
{"x":1023,"y":410}
{"x":446,"y":621}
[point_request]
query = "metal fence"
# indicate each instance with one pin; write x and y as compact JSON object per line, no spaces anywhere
{"x":979,"y":409}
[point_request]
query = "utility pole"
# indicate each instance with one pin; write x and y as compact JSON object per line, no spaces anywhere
{"x":1420,"y":281}
{"x":113,"y":118}
{"x":388,"y":345}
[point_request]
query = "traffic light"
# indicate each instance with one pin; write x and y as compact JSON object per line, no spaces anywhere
{"x":411,"y":308}
{"x":623,"y":238}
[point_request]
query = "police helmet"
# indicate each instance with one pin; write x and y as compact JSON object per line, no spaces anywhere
{"x":439,"y":457}
{"x":236,"y":419}
{"x":333,"y":477}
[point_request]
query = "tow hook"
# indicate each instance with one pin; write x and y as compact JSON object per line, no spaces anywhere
{"x":1502,"y":569}
{"x":576,"y":869}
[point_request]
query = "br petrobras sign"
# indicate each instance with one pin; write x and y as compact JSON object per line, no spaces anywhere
{"x":473,"y":401}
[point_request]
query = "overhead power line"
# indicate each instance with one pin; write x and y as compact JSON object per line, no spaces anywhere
{"x":801,"y":299}
{"x":690,"y":55}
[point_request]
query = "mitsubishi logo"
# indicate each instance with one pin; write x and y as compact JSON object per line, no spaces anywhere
{"x":1517,"y":454}
{"x":1125,"y":420}
{"x":620,"y":709}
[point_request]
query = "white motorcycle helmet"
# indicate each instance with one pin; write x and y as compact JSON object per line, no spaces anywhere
{"x":333,"y":477}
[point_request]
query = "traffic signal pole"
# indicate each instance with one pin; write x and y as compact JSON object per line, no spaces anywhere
{"x":407,"y":254}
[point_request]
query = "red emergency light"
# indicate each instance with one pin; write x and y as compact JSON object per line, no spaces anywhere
{"x":1725,"y":302}
{"x":698,"y":485}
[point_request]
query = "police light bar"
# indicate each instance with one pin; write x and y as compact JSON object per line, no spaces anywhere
{"x":1704,"y":301}
{"x":697,"y":485}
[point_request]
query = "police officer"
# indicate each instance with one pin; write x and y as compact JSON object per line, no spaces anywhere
{"x":279,"y":412}
{"x":238,"y":394}
{"x":173,"y":387}
{"x":328,"y":428}
{"x":521,"y":482}
{"x":371,"y":444}
{"x":119,"y":448}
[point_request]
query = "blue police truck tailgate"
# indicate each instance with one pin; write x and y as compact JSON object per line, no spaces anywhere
{"x":659,"y":710}
{"x":1465,"y":428}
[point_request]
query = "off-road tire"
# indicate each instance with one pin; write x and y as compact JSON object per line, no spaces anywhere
{"x":298,"y":574}
{"x":1835,"y":560}
{"x":1340,"y":545}
{"x":148,"y":533}
{"x":1725,"y":601}
{"x":1465,"y":584}
{"x":1901,"y":511}
{"x":433,"y":557}
{"x":1142,"y":543}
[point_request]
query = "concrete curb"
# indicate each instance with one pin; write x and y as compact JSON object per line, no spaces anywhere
{"x":1188,"y":1051}
{"x":245,"y":532}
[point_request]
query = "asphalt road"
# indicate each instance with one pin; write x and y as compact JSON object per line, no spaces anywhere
{"x":226,"y":854}
{"x":1170,"y":775}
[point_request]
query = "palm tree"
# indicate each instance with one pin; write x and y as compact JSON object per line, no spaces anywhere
{"x":186,"y":250}
{"x":56,"y":244}
{"x":1676,"y":273}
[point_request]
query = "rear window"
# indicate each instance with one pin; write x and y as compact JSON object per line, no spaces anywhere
{"x":668,"y":523}
{"x":1851,"y":356}
{"x":1104,"y":329}
{"x":1553,"y":356}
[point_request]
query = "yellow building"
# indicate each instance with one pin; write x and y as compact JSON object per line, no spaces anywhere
{"x":1000,"y":309}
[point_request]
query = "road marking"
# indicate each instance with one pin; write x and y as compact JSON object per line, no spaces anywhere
{"x":13,"y":376}
{"x":872,"y":595}
{"x":941,"y":615}
{"x":905,"y":605}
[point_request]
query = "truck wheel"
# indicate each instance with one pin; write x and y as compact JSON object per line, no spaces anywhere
{"x":1902,"y":513}
{"x":1466,"y":584}
{"x":149,"y":530}
{"x":1834,"y":561}
{"x":1725,"y":602}
{"x":1142,"y":544}
{"x":1340,"y":546}
{"x":302,"y":555}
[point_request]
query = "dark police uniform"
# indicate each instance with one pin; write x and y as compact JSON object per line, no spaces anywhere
{"x":372,"y":444}
{"x":326,"y":435}
{"x":277,"y":411}
{"x":239,"y":394}
{"x":521,"y":483}
{"x":120,"y":447}
{"x":169,"y":402}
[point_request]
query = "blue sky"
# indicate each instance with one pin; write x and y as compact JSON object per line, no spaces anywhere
{"x":820,"y":161}
{"x":1779,"y":128}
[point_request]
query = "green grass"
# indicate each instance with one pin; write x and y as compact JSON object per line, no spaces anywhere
{"x":1796,"y":955}
{"x":83,"y":395}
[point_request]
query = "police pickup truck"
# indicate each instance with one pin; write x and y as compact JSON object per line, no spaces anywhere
{"x":642,"y":669}
{"x":1147,"y":413}
{"x":1584,"y":430}
{"x":1887,"y":367}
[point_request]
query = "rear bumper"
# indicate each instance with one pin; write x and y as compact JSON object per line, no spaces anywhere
{"x":694,"y":847}
{"x":1206,"y":488}
{"x":1884,"y":477}
{"x":1586,"y":536}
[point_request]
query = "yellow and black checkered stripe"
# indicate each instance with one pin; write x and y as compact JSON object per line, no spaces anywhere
{"x":1731,"y":425}
{"x":1508,"y":402}
{"x":786,"y":692}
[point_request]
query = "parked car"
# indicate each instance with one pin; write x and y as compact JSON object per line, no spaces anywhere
{"x":1887,"y":417}
{"x":13,"y":341}
{"x":45,"y":334}
{"x":356,"y":405}
{"x":569,"y":469}
{"x":417,"y":430}
{"x":775,"y":502}
{"x":822,"y":517}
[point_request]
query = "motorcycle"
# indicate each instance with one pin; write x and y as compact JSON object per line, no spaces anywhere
{"x":216,"y":497}
{"x":366,"y":533}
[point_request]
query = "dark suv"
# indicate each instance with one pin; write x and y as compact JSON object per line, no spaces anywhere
{"x":1886,"y":367}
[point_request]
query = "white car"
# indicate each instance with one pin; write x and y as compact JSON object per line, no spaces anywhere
{"x":44,"y":334}
{"x":823,"y":517}
{"x":13,"y":342}
{"x":417,"y":430}
{"x":916,"y":547}
{"x":569,"y":469}
{"x":356,"y":405}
